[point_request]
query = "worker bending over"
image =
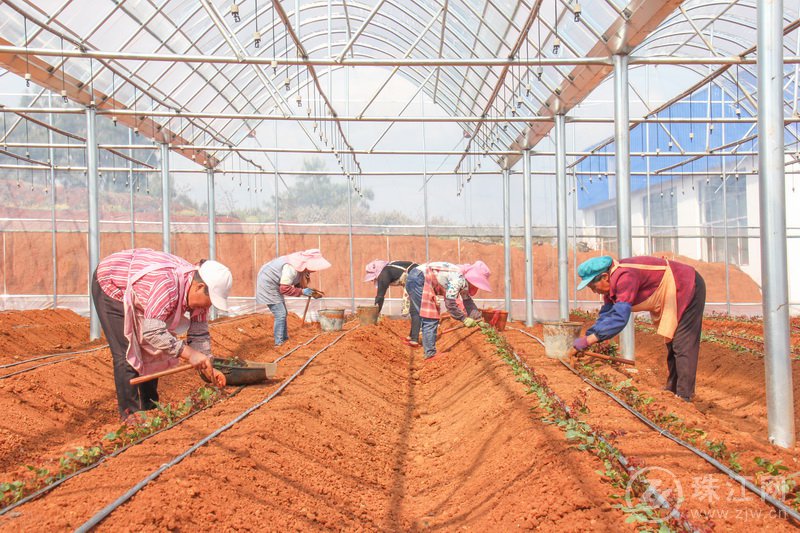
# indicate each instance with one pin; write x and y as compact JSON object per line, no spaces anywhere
{"x":287,"y":275}
{"x":142,"y":297}
{"x":675,"y":295}
{"x":427,"y":281}
{"x":386,"y":273}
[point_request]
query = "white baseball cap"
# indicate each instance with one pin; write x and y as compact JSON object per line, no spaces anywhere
{"x":219,"y":280}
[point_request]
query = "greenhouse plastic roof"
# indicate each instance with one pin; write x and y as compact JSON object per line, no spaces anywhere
{"x":433,"y":29}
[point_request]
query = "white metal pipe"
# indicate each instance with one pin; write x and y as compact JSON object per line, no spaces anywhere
{"x":772,"y":207}
{"x":378,"y":62}
{"x":623,"y":180}
{"x":151,"y":113}
{"x":507,"y":239}
{"x":526,"y":199}
{"x":561,"y":217}
{"x":92,"y":177}
{"x":263,"y":149}
{"x":166,"y":196}
{"x":130,"y":190}
{"x":54,"y":246}
{"x":212,"y":223}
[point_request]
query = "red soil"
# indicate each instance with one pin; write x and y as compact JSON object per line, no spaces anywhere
{"x":649,"y":449}
{"x":371,"y":437}
{"x":36,"y":332}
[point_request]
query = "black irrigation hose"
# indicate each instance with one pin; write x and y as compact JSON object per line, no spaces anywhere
{"x":9,"y":365}
{"x":290,"y":352}
{"x":755,"y":489}
{"x":48,"y":488}
{"x":44,"y":490}
{"x":5,"y":376}
{"x":103,"y":513}
{"x":78,"y":352}
{"x":657,"y":496}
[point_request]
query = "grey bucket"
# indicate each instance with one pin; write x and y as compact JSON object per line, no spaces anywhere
{"x":558,"y":337}
{"x":331,"y":319}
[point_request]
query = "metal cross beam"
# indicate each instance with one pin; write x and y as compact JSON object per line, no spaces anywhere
{"x":44,"y":75}
{"x":523,"y":35}
{"x":623,"y":35}
{"x":312,"y":72}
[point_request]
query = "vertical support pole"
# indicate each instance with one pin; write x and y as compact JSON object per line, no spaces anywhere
{"x":723,"y":162}
{"x":425,"y":183}
{"x":94,"y":213}
{"x":648,"y":214}
{"x":350,"y":245}
{"x":54,"y":246}
{"x":526,"y":199}
{"x":561,"y":216}
{"x":212,"y":223}
{"x":772,"y":207}
{"x":507,"y":238}
{"x":166,"y":194}
{"x":277,"y":190}
{"x":622,"y":143}
{"x":130,"y":186}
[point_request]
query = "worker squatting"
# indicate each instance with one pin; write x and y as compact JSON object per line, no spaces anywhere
{"x":146,"y":299}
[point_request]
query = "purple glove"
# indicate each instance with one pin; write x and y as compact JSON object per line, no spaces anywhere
{"x":581,"y":343}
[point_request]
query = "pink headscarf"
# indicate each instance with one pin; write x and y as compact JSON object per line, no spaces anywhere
{"x":374,"y":269}
{"x":477,"y":275}
{"x":310,"y":260}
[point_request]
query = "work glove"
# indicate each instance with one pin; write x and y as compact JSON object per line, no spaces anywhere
{"x":470,"y":322}
{"x":308,"y":291}
{"x":581,"y":344}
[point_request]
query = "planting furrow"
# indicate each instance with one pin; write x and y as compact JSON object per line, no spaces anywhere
{"x":76,"y":354}
{"x":103,"y":483}
{"x":106,"y":511}
{"x":704,"y":489}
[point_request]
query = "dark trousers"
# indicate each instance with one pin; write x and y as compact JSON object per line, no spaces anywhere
{"x":130,"y":398}
{"x":414,"y":285}
{"x":683,"y":351}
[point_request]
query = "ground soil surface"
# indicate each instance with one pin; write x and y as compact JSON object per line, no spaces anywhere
{"x":371,"y":437}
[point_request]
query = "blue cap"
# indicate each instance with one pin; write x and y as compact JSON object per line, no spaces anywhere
{"x":591,"y":268}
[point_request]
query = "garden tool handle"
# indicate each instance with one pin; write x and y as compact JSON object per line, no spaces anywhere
{"x":308,"y":301}
{"x":609,"y":358}
{"x":173,"y":370}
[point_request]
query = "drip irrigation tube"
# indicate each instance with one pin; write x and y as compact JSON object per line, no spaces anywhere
{"x":96,"y":348}
{"x":18,"y":372}
{"x":44,"y":490}
{"x":657,"y":496}
{"x":103,"y":513}
{"x":290,"y":352}
{"x":755,"y":489}
{"x":48,"y":488}
{"x":9,"y":365}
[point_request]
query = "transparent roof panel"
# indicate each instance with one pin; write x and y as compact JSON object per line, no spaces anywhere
{"x":386,"y":29}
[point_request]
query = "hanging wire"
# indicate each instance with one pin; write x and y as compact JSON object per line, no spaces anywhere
{"x":92,"y":101}
{"x":27,"y":56}
{"x":556,"y":40}
{"x":274,"y":45}
{"x":63,"y":75}
{"x":539,"y":69}
{"x":135,"y":117}
{"x":256,"y":34}
{"x":669,"y":128}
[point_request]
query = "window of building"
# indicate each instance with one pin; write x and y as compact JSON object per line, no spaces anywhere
{"x":663,"y":212}
{"x":712,"y":208}
{"x":605,"y":221}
